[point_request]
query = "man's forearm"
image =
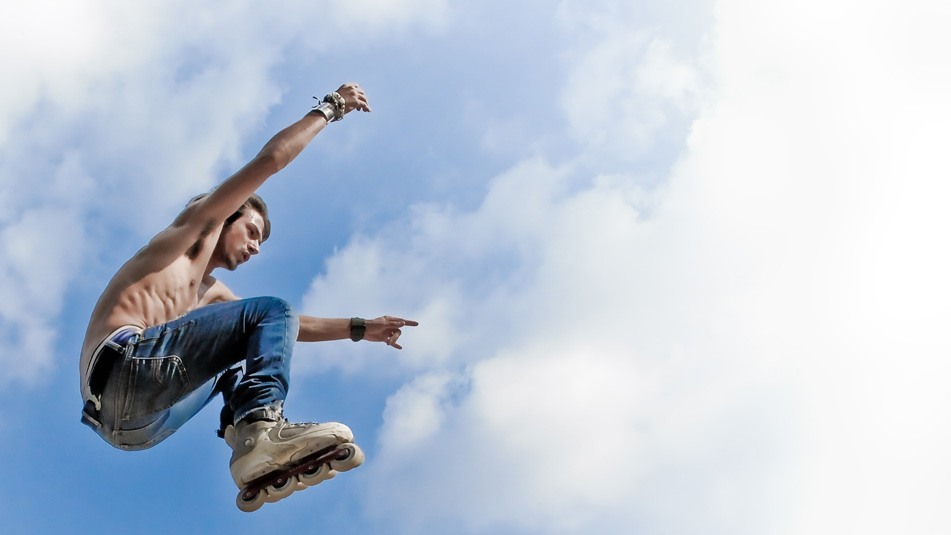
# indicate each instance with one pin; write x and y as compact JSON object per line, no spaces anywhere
{"x":386,"y":329}
{"x":224,"y":200}
{"x":290,"y":142}
{"x":276,"y":154}
{"x":323,"y":329}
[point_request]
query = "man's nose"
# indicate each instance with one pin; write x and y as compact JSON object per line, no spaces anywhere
{"x":254,"y":247}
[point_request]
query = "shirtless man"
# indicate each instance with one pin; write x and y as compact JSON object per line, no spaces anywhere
{"x":166,"y":337}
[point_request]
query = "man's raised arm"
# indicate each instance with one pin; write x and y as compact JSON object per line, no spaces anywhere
{"x":276,"y":154}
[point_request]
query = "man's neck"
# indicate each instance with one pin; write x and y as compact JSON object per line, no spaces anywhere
{"x":213,"y":263}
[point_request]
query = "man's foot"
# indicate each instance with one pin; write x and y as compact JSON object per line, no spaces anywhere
{"x":264,"y":446}
{"x":272,"y":459}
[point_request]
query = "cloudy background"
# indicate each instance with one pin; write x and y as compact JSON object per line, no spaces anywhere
{"x":680,"y":267}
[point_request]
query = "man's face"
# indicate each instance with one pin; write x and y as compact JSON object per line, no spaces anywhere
{"x":241,"y":239}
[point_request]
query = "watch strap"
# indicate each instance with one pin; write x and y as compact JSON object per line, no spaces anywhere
{"x":358,"y":329}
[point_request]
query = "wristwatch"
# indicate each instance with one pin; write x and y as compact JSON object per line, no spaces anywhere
{"x":358,"y":328}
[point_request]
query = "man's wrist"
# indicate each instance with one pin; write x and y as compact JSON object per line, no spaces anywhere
{"x":332,"y":107}
{"x":358,"y":329}
{"x":339,"y":104}
{"x":327,"y":110}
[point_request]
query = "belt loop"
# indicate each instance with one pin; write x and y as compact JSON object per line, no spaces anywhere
{"x":90,"y":416}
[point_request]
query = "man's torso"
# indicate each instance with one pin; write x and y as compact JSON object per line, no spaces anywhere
{"x":162,"y":282}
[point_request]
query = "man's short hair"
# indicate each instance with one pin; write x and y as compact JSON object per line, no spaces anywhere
{"x":254,"y":202}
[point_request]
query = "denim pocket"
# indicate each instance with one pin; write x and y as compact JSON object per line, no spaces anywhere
{"x":155,"y":384}
{"x":142,"y":438}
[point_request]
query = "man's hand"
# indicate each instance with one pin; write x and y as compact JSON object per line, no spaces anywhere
{"x":387,"y":329}
{"x":355,"y":98}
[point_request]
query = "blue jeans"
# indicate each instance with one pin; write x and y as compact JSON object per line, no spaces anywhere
{"x":241,"y":349}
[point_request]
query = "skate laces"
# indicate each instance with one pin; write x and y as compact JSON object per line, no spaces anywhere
{"x":288,"y":423}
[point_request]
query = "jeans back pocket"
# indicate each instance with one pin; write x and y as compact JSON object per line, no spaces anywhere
{"x":155,"y":384}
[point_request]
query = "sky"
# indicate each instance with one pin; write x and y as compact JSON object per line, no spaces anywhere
{"x":679,"y":267}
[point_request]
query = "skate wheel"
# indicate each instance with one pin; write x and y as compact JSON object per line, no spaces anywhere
{"x":314,"y":474}
{"x":282,"y":488}
{"x":252,"y":504}
{"x":351,"y":456}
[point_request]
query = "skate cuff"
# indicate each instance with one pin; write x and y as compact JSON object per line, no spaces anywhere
{"x":273,"y":414}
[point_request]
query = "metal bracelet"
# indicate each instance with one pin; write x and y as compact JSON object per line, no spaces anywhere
{"x":328,"y":110}
{"x":340,"y":105}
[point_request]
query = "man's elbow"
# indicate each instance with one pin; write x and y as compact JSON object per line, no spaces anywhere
{"x":273,"y":158}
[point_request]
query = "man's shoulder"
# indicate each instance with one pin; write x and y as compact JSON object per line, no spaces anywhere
{"x":165,"y":252}
{"x":180,"y":240}
{"x":215,"y":291}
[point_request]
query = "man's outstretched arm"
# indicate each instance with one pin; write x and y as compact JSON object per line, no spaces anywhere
{"x":383,"y":329}
{"x":276,"y":154}
{"x":312,"y":329}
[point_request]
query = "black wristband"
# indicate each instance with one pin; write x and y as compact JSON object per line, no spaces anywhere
{"x":358,"y":328}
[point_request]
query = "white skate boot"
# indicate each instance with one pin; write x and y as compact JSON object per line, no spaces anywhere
{"x":272,"y":459}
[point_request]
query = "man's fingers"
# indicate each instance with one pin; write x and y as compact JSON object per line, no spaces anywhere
{"x":393,"y":337}
{"x":387,"y":329}
{"x":362,"y":102}
{"x":358,"y":104}
{"x":400,"y":322}
{"x":355,"y":97}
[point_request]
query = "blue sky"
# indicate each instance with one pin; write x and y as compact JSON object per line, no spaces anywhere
{"x":679,"y":266}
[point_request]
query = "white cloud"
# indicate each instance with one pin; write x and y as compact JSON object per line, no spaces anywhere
{"x":598,"y":374}
{"x":628,"y":93}
{"x":376,"y":15}
{"x":416,"y":412}
{"x":42,"y":244}
{"x":762,"y":354}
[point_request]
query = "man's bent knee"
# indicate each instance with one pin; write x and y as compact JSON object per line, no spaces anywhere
{"x":275,"y":305}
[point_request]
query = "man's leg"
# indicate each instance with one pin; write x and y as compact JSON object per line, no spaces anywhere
{"x":173,"y":369}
